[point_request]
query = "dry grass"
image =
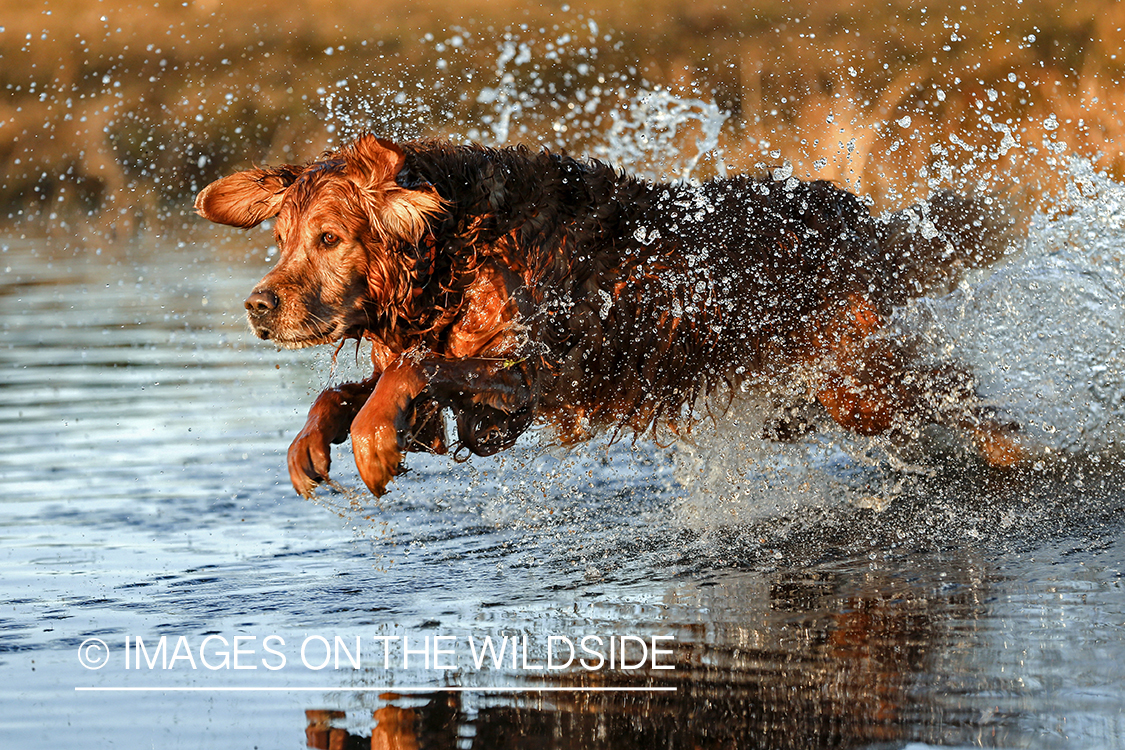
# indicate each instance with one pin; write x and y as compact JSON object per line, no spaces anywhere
{"x":119,"y":111}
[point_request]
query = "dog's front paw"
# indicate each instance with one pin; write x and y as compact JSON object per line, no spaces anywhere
{"x":375,"y":443}
{"x":310,"y":455}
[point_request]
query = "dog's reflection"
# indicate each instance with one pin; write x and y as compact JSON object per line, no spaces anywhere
{"x":815,"y":660}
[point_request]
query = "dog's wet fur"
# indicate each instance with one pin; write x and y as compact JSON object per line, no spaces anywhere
{"x":513,"y":287}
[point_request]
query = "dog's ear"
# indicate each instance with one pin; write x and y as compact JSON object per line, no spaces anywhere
{"x":405,"y":213}
{"x":246,"y":199}
{"x":394,"y":211}
{"x":372,"y":161}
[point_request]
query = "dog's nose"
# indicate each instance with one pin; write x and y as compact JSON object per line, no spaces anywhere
{"x":261,"y":302}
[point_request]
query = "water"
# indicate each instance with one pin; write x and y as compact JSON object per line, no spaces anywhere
{"x":835,"y":593}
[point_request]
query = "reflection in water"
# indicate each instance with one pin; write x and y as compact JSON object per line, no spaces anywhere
{"x":840,"y":655}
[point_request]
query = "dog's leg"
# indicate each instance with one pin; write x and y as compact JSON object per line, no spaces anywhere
{"x":872,"y":386}
{"x":493,"y":401}
{"x":491,"y":382}
{"x":857,"y":373}
{"x":910,"y":397}
{"x":329,"y":420}
{"x":947,"y":395}
{"x":866,"y":408}
{"x":997,"y":443}
{"x":377,"y":427}
{"x":427,"y":431}
{"x":385,"y":427}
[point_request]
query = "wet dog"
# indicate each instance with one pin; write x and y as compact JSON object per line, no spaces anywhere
{"x":511,"y":287}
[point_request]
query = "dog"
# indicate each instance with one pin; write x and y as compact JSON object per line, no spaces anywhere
{"x":511,"y":287}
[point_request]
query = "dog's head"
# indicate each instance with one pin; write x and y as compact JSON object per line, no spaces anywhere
{"x":345,"y":231}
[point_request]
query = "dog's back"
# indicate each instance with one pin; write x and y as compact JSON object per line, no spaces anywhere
{"x":741,"y":279}
{"x":801,"y":245}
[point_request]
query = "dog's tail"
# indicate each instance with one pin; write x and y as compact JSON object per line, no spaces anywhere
{"x":929,"y":247}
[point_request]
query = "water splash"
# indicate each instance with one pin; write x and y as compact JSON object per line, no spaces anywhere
{"x":1044,"y":332}
{"x":652,"y":126}
{"x":1043,"y":335}
{"x":553,"y":91}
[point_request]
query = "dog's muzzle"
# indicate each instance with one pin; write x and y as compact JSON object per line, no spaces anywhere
{"x":259,"y":307}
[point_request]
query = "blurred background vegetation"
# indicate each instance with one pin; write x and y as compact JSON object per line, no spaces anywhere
{"x":116,"y":112}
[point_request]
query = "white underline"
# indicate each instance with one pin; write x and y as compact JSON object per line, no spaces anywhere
{"x":380,"y":689}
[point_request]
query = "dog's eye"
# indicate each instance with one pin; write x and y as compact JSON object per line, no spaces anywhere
{"x":328,"y":239}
